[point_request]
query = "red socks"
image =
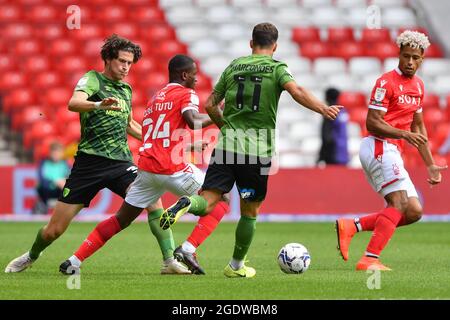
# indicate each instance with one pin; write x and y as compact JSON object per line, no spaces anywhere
{"x":368,"y":222}
{"x":385,"y":225}
{"x":98,"y":237}
{"x":207,"y":224}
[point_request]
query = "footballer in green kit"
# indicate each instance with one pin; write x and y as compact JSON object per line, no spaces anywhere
{"x":251,"y":87}
{"x":103,"y":159}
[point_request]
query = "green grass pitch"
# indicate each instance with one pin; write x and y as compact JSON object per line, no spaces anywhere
{"x":128,"y":266}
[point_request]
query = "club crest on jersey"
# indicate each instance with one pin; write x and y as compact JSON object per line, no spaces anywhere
{"x":380,"y":94}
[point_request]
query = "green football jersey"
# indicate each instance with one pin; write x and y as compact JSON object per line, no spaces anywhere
{"x":251,"y":87}
{"x":103,"y":132}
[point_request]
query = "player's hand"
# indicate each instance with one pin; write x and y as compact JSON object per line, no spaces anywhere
{"x":110,"y":103}
{"x":434,"y":171}
{"x":331,"y":112}
{"x":416,"y":139}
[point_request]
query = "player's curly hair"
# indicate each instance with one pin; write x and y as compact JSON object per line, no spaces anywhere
{"x":264,"y":34}
{"x":114,"y":44}
{"x":413,"y":39}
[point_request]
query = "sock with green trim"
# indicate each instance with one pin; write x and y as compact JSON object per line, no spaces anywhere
{"x":164,"y":237}
{"x":198,"y":205}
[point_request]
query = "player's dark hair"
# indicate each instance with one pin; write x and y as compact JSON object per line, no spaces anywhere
{"x":178,"y":64}
{"x":114,"y":44}
{"x":264,"y":34}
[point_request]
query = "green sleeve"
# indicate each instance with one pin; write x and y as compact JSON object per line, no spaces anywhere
{"x":283,"y":74}
{"x":220,"y":87}
{"x":88,"y":83}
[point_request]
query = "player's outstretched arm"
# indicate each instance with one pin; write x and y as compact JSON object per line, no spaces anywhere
{"x":196,"y":120}
{"x":434,"y":171}
{"x":212,"y":107}
{"x":377,"y":126}
{"x":307,"y":99}
{"x":79,"y":103}
{"x":134,"y":129}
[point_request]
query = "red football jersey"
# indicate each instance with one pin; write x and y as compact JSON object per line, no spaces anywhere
{"x":400,"y":97}
{"x":162,"y":118}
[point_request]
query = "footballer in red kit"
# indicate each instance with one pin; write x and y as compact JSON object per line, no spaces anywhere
{"x":394,"y":116}
{"x":162,"y":117}
{"x":161,"y":168}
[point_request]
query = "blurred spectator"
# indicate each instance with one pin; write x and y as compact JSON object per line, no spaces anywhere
{"x":445,"y":148}
{"x":52,"y":174}
{"x":334,"y":134}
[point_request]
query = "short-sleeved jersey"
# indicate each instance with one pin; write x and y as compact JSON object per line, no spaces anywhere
{"x":251,"y":87}
{"x":400,"y":97}
{"x":164,"y":127}
{"x":104,"y":132}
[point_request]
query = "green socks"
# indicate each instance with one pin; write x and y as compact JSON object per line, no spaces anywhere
{"x":198,"y":205}
{"x":164,"y":237}
{"x":39,"y":245}
{"x":244,"y":235}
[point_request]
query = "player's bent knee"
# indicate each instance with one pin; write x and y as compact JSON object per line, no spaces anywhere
{"x":52,"y":233}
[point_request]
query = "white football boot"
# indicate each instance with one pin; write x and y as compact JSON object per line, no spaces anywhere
{"x":20,"y":263}
{"x":174,"y":267}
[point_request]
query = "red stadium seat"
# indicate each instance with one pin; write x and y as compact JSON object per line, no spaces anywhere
{"x":168,"y":48}
{"x":18,"y":99}
{"x":348,"y":50}
{"x":42,"y":149}
{"x":63,"y":116}
{"x":434,"y":51}
{"x":157,"y":32}
{"x":10,"y":13}
{"x":62,"y":47}
{"x":351,"y":100}
{"x":138,"y":112}
{"x":93,"y":47}
{"x":42,"y":13}
{"x":6,"y":63}
{"x":36,"y":64}
{"x":145,"y":66}
{"x":375,"y":35}
{"x":146,"y":15}
{"x":56,"y":97}
{"x":140,"y":2}
{"x":340,"y":34}
{"x":15,"y":31}
{"x":23,"y":118}
{"x":46,"y":80}
{"x":38,"y":131}
{"x":203,"y":96}
{"x":72,"y":132}
{"x":12,"y":79}
{"x":432,"y":118}
{"x":110,"y":13}
{"x":383,"y":50}
{"x":50,"y":32}
{"x":203,"y":82}
{"x":125,"y":29}
{"x":139,"y":98}
{"x":430,"y":100}
{"x":305,"y":34}
{"x":87,"y":32}
{"x":72,"y":64}
{"x":154,"y":82}
{"x":26,"y":47}
{"x":313,"y":50}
